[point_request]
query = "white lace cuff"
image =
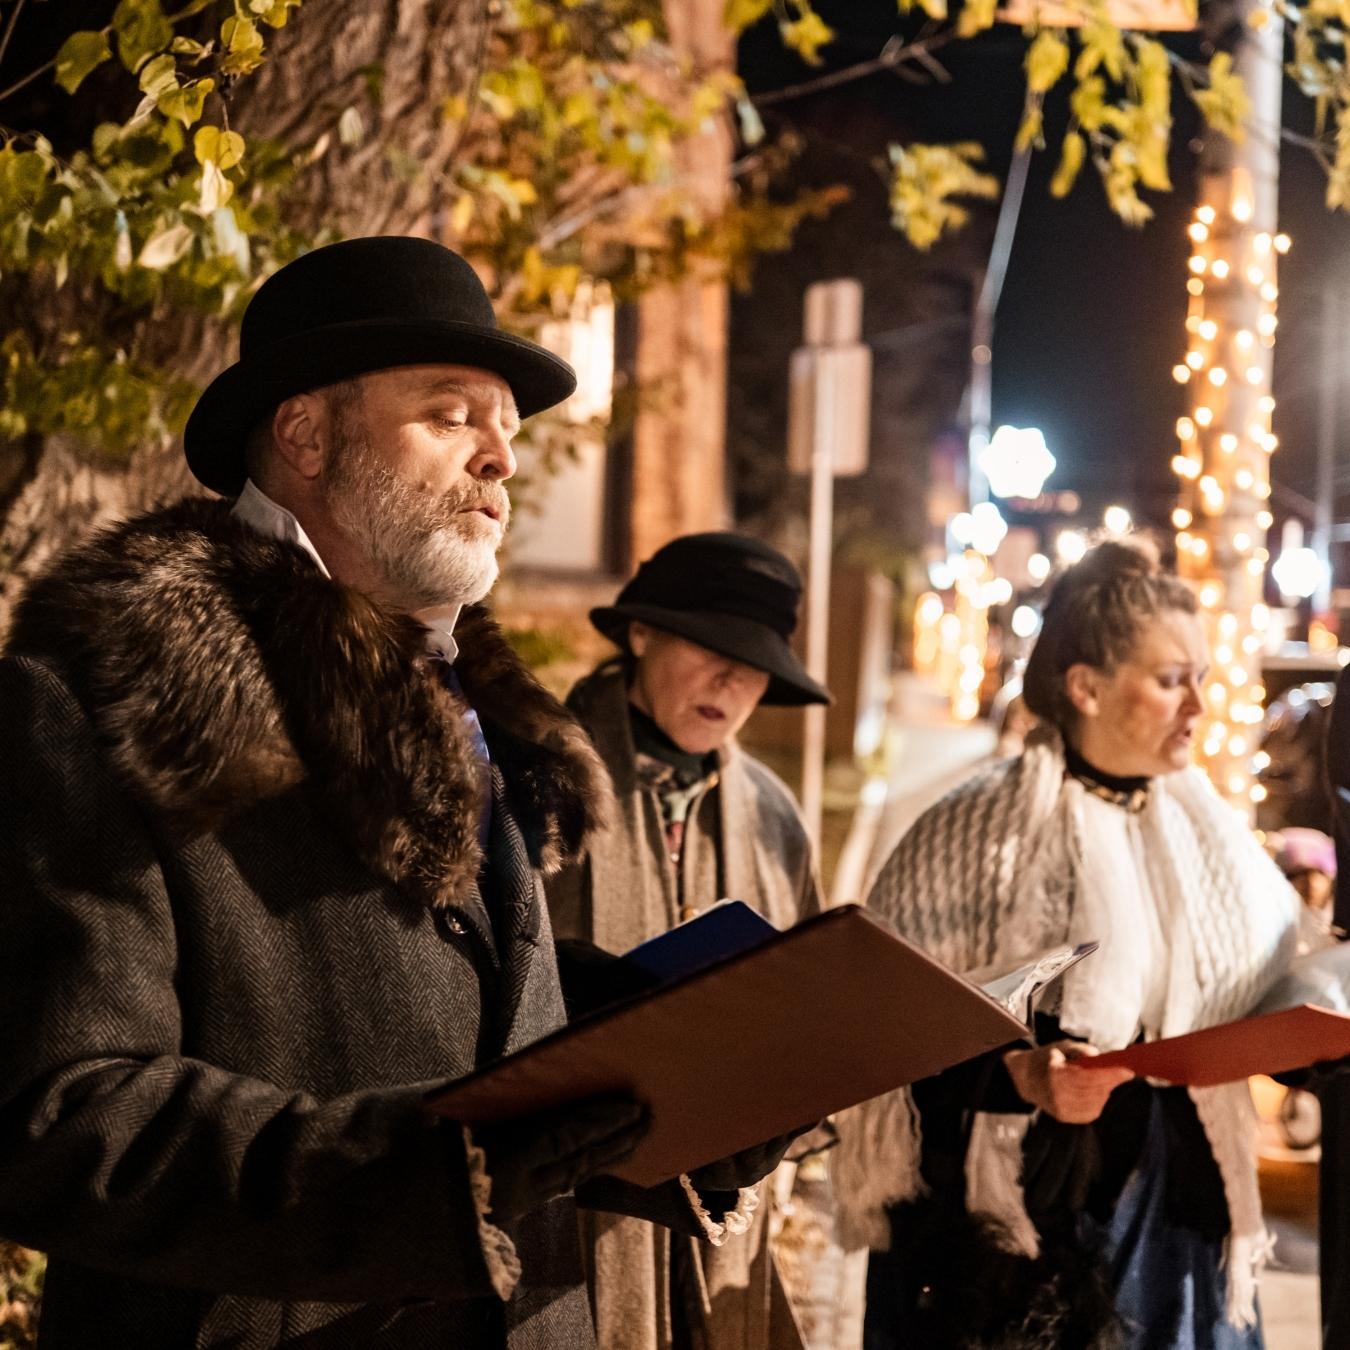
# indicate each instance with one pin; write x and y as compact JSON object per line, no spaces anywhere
{"x":733,"y":1223}
{"x":499,"y":1252}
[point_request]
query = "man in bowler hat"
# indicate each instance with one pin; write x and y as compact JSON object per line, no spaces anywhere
{"x":275,"y":803}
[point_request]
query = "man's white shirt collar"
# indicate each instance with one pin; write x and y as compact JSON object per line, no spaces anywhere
{"x":256,"y":509}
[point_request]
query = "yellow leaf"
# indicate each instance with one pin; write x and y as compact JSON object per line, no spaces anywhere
{"x":1225,"y":103}
{"x":165,"y":247}
{"x":806,"y":36}
{"x":1338,"y":180}
{"x":79,"y":54}
{"x":1070,"y":161}
{"x":976,"y":16}
{"x":211,"y":145}
{"x":243,"y":46}
{"x":1088,"y":103}
{"x":461,"y":213}
{"x":640,"y":32}
{"x":186,"y":103}
{"x":1122,"y":192}
{"x":1047,"y":59}
{"x":740,"y":14}
{"x":1029,"y":133}
{"x":215,"y":189}
{"x":1103,"y":44}
{"x":351,"y":126}
{"x":924,"y":180}
{"x":158,"y":76}
{"x":707,"y":102}
{"x":1153,"y":76}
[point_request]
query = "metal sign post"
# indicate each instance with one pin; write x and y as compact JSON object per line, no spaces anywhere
{"x":830,"y":383}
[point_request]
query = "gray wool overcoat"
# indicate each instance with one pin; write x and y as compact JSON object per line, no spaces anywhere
{"x":247,"y":922}
{"x":744,"y":839}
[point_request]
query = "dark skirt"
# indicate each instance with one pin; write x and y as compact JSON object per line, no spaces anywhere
{"x":1135,"y":1276}
{"x":1170,"y":1287}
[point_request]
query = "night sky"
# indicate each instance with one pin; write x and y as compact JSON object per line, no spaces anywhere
{"x":1091,"y":319}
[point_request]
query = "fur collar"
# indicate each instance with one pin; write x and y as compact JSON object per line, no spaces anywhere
{"x":221,"y":668}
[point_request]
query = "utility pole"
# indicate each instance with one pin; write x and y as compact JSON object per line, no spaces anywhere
{"x":1327,"y":412}
{"x":1223,"y":460}
{"x":829,"y":410}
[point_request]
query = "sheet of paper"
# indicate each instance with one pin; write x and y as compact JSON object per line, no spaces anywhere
{"x":1321,"y":979}
{"x":1019,"y":989}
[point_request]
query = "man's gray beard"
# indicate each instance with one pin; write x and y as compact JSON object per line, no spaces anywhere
{"x":418,"y":543}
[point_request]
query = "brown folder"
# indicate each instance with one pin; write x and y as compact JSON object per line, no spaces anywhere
{"x":815,"y":1019}
{"x":1270,"y":1043}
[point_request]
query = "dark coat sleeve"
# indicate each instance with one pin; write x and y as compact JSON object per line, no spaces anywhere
{"x":119,"y":1153}
{"x":1338,"y":787}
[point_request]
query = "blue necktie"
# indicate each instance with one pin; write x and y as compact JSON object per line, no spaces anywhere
{"x":480,"y":746}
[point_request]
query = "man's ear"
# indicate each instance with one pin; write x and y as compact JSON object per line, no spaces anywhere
{"x":1082,"y":683}
{"x":302,"y":434}
{"x":639,"y":635}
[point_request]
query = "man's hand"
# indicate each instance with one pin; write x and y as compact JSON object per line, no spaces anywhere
{"x":535,"y":1158}
{"x":1050,"y":1078}
{"x":746,"y":1167}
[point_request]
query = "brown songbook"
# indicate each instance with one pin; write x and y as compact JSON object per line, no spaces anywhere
{"x":1270,"y":1043}
{"x":805,"y":1023}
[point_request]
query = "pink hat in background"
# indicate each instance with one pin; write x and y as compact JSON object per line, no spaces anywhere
{"x":1304,"y":850}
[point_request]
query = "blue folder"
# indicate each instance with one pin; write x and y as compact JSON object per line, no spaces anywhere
{"x":727,"y":928}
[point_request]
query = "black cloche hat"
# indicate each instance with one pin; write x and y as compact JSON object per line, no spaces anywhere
{"x":727,"y":592}
{"x":345,"y":310}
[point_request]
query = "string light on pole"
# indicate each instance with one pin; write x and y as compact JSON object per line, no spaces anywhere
{"x":1223,"y":466}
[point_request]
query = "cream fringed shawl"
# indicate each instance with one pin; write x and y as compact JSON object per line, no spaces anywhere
{"x":993,"y":873}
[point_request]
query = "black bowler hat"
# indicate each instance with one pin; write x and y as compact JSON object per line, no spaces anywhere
{"x":729,"y":593}
{"x":347,"y":309}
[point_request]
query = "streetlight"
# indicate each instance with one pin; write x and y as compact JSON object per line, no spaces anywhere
{"x":1298,"y":570}
{"x":1016,"y":462}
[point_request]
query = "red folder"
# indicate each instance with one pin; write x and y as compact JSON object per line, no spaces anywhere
{"x":1271,"y":1043}
{"x":815,"y":1019}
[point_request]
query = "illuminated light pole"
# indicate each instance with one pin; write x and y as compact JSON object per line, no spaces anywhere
{"x":1225,"y":440}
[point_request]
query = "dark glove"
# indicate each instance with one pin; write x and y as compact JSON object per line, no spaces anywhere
{"x":535,"y":1158}
{"x":592,"y":978}
{"x":746,"y":1167}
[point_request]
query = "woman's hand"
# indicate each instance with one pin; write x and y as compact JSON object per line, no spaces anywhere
{"x":1049,"y":1077}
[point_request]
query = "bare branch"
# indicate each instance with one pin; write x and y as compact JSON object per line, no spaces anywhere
{"x":894,"y":54}
{"x":9,"y":29}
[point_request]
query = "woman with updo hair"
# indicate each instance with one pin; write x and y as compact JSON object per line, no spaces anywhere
{"x":1026,"y":1199}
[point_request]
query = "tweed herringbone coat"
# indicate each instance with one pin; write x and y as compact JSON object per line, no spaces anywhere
{"x":248,"y":920}
{"x":744,"y":839}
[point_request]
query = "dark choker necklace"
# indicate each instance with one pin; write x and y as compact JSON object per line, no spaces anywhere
{"x":1131,"y":794}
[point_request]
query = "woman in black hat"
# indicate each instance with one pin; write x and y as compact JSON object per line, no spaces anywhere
{"x":703,"y":633}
